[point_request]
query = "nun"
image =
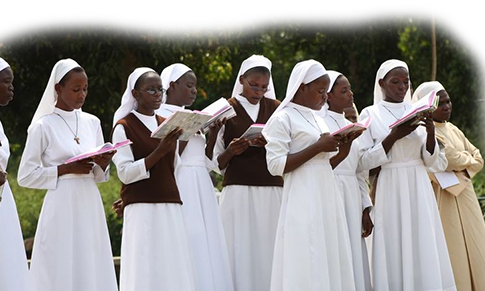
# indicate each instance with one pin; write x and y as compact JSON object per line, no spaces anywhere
{"x":155,"y":254}
{"x":409,"y":248}
{"x":459,"y":208}
{"x":251,"y":196}
{"x":312,"y":248}
{"x":351,"y":179}
{"x":207,"y":241}
{"x":13,"y":260}
{"x":72,"y":249}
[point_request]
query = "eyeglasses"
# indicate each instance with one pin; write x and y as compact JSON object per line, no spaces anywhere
{"x":256,"y":89}
{"x":153,"y":91}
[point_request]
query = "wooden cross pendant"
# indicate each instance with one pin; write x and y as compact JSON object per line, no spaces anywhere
{"x":77,"y":139}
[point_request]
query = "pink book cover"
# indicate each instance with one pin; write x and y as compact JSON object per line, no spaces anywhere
{"x":357,"y":126}
{"x":427,"y":103}
{"x":107,"y":147}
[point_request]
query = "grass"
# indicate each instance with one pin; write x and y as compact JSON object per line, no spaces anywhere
{"x":29,"y":202}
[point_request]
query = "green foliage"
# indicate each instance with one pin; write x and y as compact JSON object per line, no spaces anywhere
{"x":456,"y":71}
{"x":110,"y":55}
{"x":29,"y":204}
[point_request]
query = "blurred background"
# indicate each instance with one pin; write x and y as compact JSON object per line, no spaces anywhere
{"x":109,"y":55}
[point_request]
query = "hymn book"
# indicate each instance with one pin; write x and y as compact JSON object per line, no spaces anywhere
{"x":102,"y":149}
{"x":453,"y":182}
{"x":218,"y":110}
{"x":189,"y":121}
{"x":428,"y":103}
{"x":253,"y":131}
{"x":356,"y":126}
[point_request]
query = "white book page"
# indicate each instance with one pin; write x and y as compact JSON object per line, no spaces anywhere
{"x":446,"y":179}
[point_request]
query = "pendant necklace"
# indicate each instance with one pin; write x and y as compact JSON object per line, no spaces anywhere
{"x":335,"y":121}
{"x":316,"y":127}
{"x":393,"y":113}
{"x":76,"y":138}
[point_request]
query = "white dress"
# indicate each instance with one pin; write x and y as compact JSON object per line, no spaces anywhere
{"x":250,"y":218}
{"x":312,"y":250}
{"x":409,"y":247}
{"x":203,"y":222}
{"x":154,"y":249}
{"x":72,"y":249}
{"x":353,"y":186}
{"x":13,"y":260}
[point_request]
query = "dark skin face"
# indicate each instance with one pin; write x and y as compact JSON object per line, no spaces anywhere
{"x":350,"y":114}
{"x":254,"y":86}
{"x":443,"y":112}
{"x":73,"y":93}
{"x":71,"y":96}
{"x":6,"y":86}
{"x":395,"y":85}
{"x":6,"y":95}
{"x":183,"y":91}
{"x":341,"y":95}
{"x":314,"y":94}
{"x":148,"y":103}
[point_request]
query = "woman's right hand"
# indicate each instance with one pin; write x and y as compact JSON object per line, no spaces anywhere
{"x":328,"y":143}
{"x":404,"y":129}
{"x":238,"y":146}
{"x":3,"y":177}
{"x":397,"y":133}
{"x":79,"y":167}
{"x":170,"y":141}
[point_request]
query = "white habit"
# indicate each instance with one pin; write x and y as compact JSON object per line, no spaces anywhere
{"x":13,"y":260}
{"x":203,"y":222}
{"x":409,"y":248}
{"x":154,"y":249}
{"x":312,"y":249}
{"x":250,"y":218}
{"x":72,"y":249}
{"x":355,"y":194}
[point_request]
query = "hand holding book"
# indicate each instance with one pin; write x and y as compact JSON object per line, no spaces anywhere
{"x":355,"y":128}
{"x":253,"y":134}
{"x":220,"y":109}
{"x":98,"y":152}
{"x":189,"y":121}
{"x":419,"y":110}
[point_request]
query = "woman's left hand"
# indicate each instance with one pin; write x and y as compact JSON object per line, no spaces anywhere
{"x":367,"y":224}
{"x":259,"y":141}
{"x":427,"y":118}
{"x":103,"y":160}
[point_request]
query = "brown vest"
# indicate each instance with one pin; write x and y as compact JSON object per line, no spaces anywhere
{"x":161,"y":186}
{"x":249,"y":168}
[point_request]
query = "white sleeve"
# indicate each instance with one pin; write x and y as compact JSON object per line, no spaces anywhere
{"x":441,"y":162}
{"x":437,"y":161}
{"x":31,"y":173}
{"x":99,"y":174}
{"x":219,"y":148}
{"x":364,"y":189}
{"x":277,"y":133}
{"x":128,"y":169}
{"x":372,"y":153}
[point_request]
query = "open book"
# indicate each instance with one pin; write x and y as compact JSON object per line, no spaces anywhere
{"x":428,"y":103}
{"x":357,"y":126}
{"x":189,"y":121}
{"x":218,"y":110}
{"x":453,"y":182}
{"x":105,"y":148}
{"x":253,"y":131}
